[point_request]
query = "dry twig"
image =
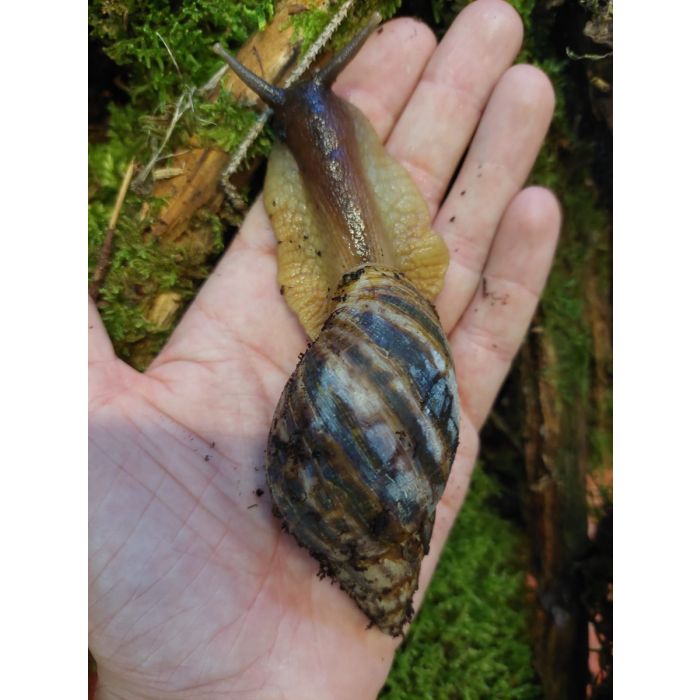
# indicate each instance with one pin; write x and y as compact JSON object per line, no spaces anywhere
{"x":103,"y":262}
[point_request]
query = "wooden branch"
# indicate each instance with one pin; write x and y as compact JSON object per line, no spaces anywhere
{"x":271,"y":51}
{"x":555,"y":475}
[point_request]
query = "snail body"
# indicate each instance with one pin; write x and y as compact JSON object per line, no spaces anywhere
{"x":365,"y":432}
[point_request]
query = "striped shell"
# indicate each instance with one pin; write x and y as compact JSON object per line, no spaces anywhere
{"x":363,"y":439}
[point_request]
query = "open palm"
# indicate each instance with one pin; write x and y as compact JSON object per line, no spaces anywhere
{"x":195,"y":592}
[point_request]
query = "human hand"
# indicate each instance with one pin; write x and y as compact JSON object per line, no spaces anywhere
{"x":194,"y":590}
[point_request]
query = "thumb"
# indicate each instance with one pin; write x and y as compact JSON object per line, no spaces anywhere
{"x":106,"y":372}
{"x":100,"y":348}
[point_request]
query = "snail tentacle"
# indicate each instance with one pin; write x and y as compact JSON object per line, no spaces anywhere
{"x":329,"y":72}
{"x":269,"y":94}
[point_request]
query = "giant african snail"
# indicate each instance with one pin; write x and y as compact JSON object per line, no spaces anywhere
{"x":366,"y":429}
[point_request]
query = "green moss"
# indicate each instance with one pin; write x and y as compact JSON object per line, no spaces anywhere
{"x":141,"y":266}
{"x":224,"y":123}
{"x":470,"y":638}
{"x":564,"y":165}
{"x":140,"y":269}
{"x":309,"y":25}
{"x":167,"y":46}
{"x":584,"y":231}
{"x":167,"y":51}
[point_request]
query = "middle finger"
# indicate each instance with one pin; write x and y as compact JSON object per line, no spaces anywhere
{"x":433,"y":132}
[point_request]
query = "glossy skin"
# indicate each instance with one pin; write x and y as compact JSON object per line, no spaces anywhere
{"x":194,"y":595}
{"x":320,"y":133}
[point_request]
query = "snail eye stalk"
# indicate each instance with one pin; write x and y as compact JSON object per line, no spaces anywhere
{"x":327,"y":75}
{"x":271,"y":95}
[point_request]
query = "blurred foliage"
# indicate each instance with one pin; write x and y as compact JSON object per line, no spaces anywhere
{"x":224,"y":123}
{"x":140,"y":268}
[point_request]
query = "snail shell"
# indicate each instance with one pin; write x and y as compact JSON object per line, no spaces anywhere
{"x":366,"y":430}
{"x":362,"y":441}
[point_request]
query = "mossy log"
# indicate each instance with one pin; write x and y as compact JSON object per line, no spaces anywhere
{"x":565,"y":386}
{"x":568,"y":493}
{"x":178,"y":209}
{"x":271,"y":53}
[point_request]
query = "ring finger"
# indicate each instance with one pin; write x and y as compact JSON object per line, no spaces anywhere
{"x":497,"y":165}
